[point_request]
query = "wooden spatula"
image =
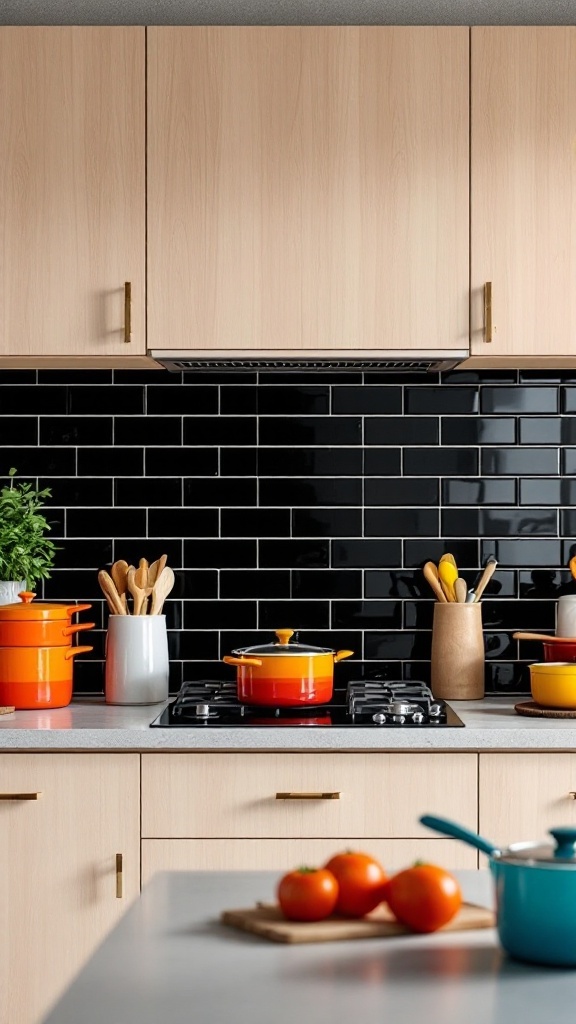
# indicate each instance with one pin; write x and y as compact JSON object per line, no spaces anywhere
{"x":161,"y":589}
{"x":110,"y":593}
{"x":119,"y":573}
{"x":156,"y":569}
{"x":138,"y":593}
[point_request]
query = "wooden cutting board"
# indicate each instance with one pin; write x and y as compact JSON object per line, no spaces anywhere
{"x":267,"y":920}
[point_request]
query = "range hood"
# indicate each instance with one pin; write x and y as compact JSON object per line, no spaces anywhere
{"x":390,"y":361}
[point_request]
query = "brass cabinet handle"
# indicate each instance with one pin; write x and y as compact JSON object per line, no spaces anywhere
{"x":119,"y":876}
{"x":128,"y":312}
{"x":20,"y":796}
{"x":572,"y":794}
{"x":488,"y":328}
{"x":307,"y":796}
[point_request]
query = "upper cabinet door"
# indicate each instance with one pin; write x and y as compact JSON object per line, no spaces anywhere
{"x":72,"y":199}
{"x":308,"y":188}
{"x":523,"y":183}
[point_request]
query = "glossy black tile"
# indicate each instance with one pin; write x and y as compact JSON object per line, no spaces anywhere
{"x":320,"y":491}
{"x":513,"y":615}
{"x":401,"y":492}
{"x":255,"y":522}
{"x":479,"y":491}
{"x":237,"y":461}
{"x":88,"y":676}
{"x":81,"y":376}
{"x":232,"y":640}
{"x":221,"y":491}
{"x":451,"y":399}
{"x":20,"y":430}
{"x":137,"y":492}
{"x":197,"y":377}
{"x":153,"y":430}
{"x":524,"y":553}
{"x":568,"y":399}
{"x":219,"y":430}
{"x":182,"y":400}
{"x":502,"y":522}
{"x":568,"y":522}
{"x":105,"y":462}
{"x":548,"y":584}
{"x":346,"y":639}
{"x":183,"y":522}
{"x":519,"y":399}
{"x":401,"y":430}
{"x":311,"y":377}
{"x":568,"y":461}
{"x":478,"y":430}
{"x":105,"y":522}
{"x":507,"y":677}
{"x":220,"y":615}
{"x":418,"y":614}
{"x":9,"y":377}
{"x":78,"y":492}
{"x":149,"y":375}
{"x":293,"y":554}
{"x":239,"y":400}
{"x":520,"y":461}
{"x":397,"y":645}
{"x":326,"y":583}
{"x":367,"y":400}
{"x":48,"y":462}
{"x":466,"y":552}
{"x":197,"y":643}
{"x":293,"y":400}
{"x":547,"y":430}
{"x":327,"y":522}
{"x":195,"y":583}
{"x":457,"y":376}
{"x":38,"y":397}
{"x":401,"y":522}
{"x":498,"y":646}
{"x":366,"y":552}
{"x":181,"y":461}
{"x":382,"y":461}
{"x":309,"y":430}
{"x":396,"y":583}
{"x":259,"y":583}
{"x":84,"y":554}
{"x":547,"y":492}
{"x":73,"y":585}
{"x":312,"y":462}
{"x":293,"y":614}
{"x":440,"y":461}
{"x":121,"y":399}
{"x":367,"y":614}
{"x":232,"y":554}
{"x":76,"y":430}
{"x":416,"y":670}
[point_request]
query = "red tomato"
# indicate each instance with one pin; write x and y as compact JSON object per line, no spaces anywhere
{"x":361,"y":881}
{"x":308,"y":894}
{"x":423,"y":897}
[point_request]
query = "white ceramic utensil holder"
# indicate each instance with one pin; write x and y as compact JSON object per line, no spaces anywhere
{"x":566,"y":618}
{"x":9,"y":590}
{"x":136,"y":659}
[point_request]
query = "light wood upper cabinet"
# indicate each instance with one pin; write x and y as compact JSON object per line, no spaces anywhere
{"x":307,"y":188}
{"x":523,"y":194}
{"x":58,"y":871}
{"x":72,"y":194}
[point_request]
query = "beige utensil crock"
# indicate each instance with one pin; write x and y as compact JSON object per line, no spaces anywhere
{"x":457,"y":652}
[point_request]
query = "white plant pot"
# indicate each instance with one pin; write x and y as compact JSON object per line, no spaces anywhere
{"x":9,"y":590}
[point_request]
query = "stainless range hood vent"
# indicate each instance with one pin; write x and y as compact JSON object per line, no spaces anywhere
{"x":414,"y":362}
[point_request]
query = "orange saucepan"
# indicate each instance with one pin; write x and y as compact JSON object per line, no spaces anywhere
{"x":284,"y":674}
{"x":39,"y":623}
{"x":37,"y":677}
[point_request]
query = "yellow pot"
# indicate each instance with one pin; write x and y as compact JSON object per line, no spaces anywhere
{"x":553,"y":684}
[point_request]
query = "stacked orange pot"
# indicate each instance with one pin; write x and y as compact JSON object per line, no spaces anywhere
{"x":36,"y":652}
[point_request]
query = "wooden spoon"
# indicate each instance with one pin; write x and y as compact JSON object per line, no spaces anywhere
{"x":156,"y":569}
{"x":546,"y":639}
{"x":161,"y":589}
{"x":110,"y":593}
{"x":118,"y":573}
{"x":431,"y":575}
{"x":485,"y":579}
{"x":138,"y":593}
{"x":461,"y":590}
{"x":142,"y":574}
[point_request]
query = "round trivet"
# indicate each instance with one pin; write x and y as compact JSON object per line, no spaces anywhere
{"x":532,"y":709}
{"x":6,"y":711}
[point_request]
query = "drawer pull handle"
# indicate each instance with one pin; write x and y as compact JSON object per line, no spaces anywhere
{"x":127,"y":312}
{"x":119,"y":876}
{"x":488,"y":326}
{"x":572,"y":794}
{"x":307,"y":796}
{"x":20,"y":796}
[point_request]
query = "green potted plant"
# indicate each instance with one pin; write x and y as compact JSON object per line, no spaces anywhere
{"x":26,"y":554}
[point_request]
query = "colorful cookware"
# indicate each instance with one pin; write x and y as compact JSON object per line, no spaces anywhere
{"x":284,"y":674}
{"x":39,"y":623}
{"x":535,"y":892}
{"x":553,"y":683}
{"x":37,"y":677}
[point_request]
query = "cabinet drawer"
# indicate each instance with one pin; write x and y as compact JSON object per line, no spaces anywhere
{"x":523,"y":795}
{"x":285,"y":854}
{"x":336,"y":795}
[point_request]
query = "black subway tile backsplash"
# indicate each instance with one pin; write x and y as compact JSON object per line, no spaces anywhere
{"x":307,"y":500}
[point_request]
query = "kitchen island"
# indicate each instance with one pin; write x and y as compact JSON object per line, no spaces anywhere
{"x":170,"y":960}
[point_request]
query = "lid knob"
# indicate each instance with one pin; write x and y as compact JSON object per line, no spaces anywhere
{"x":284,"y":636}
{"x":26,"y":596}
{"x":566,"y":841}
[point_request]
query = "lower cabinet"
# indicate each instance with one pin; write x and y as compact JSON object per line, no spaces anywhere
{"x":65,"y":819}
{"x":521,"y":796}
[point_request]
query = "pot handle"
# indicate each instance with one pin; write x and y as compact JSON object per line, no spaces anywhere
{"x":73,"y":608}
{"x":73,"y":651}
{"x":340,"y":655}
{"x":77,"y":627}
{"x":228,"y":660}
{"x":450,"y":828}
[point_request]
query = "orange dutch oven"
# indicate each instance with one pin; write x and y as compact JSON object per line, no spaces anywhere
{"x":284,"y":674}
{"x":39,"y":624}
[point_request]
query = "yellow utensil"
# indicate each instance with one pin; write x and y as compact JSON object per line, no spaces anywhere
{"x":449,"y":558}
{"x":572,"y":564}
{"x":448,"y":575}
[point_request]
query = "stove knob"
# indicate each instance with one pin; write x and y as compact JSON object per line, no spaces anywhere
{"x":202,"y":711}
{"x":379,"y":718}
{"x":435,"y":710}
{"x":399,"y":719}
{"x":418,"y":717}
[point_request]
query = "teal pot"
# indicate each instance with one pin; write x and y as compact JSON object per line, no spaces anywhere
{"x":535,"y":892}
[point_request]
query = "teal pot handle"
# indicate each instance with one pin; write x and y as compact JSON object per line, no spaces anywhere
{"x":451,"y":828}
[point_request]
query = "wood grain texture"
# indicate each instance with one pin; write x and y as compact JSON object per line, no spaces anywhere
{"x":457,"y":657}
{"x":308,"y":188}
{"x":523,"y":191}
{"x":72,"y":174}
{"x":58,"y":877}
{"x":234,"y":795}
{"x":284,"y":854}
{"x":523,"y":795}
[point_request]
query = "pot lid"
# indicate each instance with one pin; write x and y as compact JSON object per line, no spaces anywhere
{"x":26,"y":610}
{"x":561,"y":854}
{"x":283,"y":647}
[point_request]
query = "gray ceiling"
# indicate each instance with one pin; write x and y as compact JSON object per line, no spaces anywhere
{"x":287,"y":12}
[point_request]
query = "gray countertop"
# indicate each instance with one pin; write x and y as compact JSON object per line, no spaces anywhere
{"x":170,"y":960}
{"x":90,"y":724}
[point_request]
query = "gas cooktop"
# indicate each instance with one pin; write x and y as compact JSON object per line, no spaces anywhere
{"x":365,"y":704}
